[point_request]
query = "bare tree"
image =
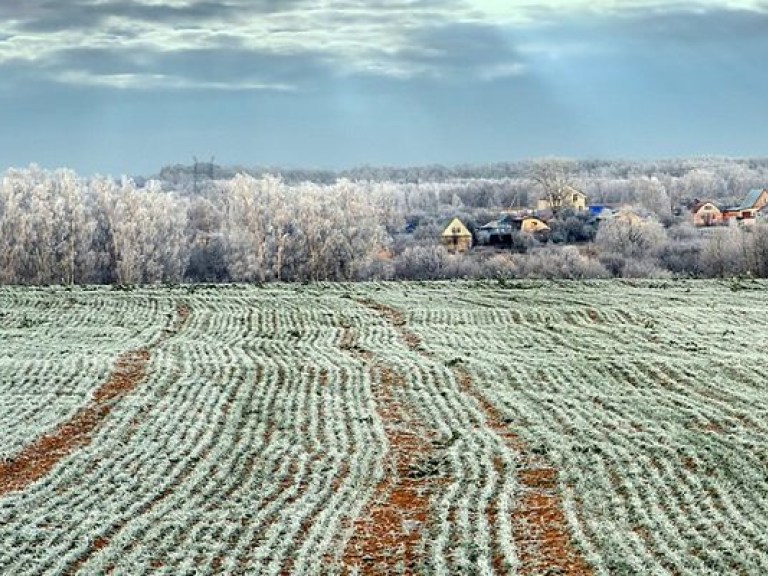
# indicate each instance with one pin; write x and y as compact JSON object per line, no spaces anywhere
{"x":552,"y":176}
{"x":44,"y":226}
{"x":722,"y":254}
{"x":631,"y":239}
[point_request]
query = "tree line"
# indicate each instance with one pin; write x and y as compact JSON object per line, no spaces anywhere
{"x":58,"y":227}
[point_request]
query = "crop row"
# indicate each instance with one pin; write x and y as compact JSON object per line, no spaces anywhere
{"x":225,"y":457}
{"x":57,"y":346}
{"x":441,"y":429}
{"x":651,"y":403}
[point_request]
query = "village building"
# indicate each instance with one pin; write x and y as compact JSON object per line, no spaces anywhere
{"x":745,"y":212}
{"x":705,"y":213}
{"x":456,"y":237}
{"x":500,"y":232}
{"x":569,"y":197}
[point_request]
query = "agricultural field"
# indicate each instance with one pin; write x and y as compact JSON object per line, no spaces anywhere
{"x":561,"y":428}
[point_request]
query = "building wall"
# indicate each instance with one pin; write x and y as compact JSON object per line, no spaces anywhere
{"x":761,"y":201}
{"x":573,"y":200}
{"x":457,"y":243}
{"x":577,"y":201}
{"x":707,"y":215}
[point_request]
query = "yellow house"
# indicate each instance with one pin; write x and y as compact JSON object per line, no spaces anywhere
{"x":456,"y":237}
{"x":568,"y":197}
{"x":531,"y":225}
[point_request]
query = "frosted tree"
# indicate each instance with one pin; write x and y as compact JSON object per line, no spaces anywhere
{"x":245,"y":202}
{"x":723,"y":253}
{"x":46,"y":229}
{"x":13,"y":227}
{"x":315,"y":222}
{"x":631,"y":239}
{"x":73,"y":229}
{"x":625,"y":245}
{"x":652,"y":194}
{"x":143,"y":231}
{"x":205,"y":239}
{"x":553,"y":178}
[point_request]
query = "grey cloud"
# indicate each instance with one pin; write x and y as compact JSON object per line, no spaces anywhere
{"x":416,"y":38}
{"x":232,"y":67}
{"x":675,"y":24}
{"x":701,"y":27}
{"x":47,"y":16}
{"x":386,"y":38}
{"x":460,"y":49}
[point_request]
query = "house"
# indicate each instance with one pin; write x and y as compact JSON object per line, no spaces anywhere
{"x":532,"y":225}
{"x":705,"y":213}
{"x":629,"y":216}
{"x":746,"y":211}
{"x":456,"y":237}
{"x":500,"y":232}
{"x":568,"y":197}
{"x":754,"y":201}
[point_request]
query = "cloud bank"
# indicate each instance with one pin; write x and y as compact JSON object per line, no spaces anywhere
{"x":286,"y":45}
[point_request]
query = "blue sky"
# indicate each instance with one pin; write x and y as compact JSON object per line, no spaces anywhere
{"x":119,"y":86}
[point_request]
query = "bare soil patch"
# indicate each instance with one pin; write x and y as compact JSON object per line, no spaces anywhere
{"x":387,"y":535}
{"x":539,"y":525}
{"x":540,"y":528}
{"x":40,"y":456}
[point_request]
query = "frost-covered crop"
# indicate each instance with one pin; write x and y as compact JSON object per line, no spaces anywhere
{"x":448,"y":428}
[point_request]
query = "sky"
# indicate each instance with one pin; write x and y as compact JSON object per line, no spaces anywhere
{"x":127,"y":86}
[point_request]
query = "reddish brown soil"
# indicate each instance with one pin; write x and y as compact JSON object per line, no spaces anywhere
{"x":114,"y":389}
{"x":539,"y":525}
{"x":540,"y":528}
{"x":398,"y":320}
{"x":387,"y":534}
{"x":39,"y":458}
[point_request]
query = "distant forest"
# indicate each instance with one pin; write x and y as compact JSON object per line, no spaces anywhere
{"x":207,"y":223}
{"x":728,"y":168}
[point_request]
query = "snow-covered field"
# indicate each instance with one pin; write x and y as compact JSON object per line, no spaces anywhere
{"x":441,"y":428}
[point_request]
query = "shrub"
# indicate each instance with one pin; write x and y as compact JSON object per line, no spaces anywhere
{"x":560,"y":262}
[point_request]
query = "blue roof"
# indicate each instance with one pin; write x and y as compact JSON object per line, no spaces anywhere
{"x":750,"y":199}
